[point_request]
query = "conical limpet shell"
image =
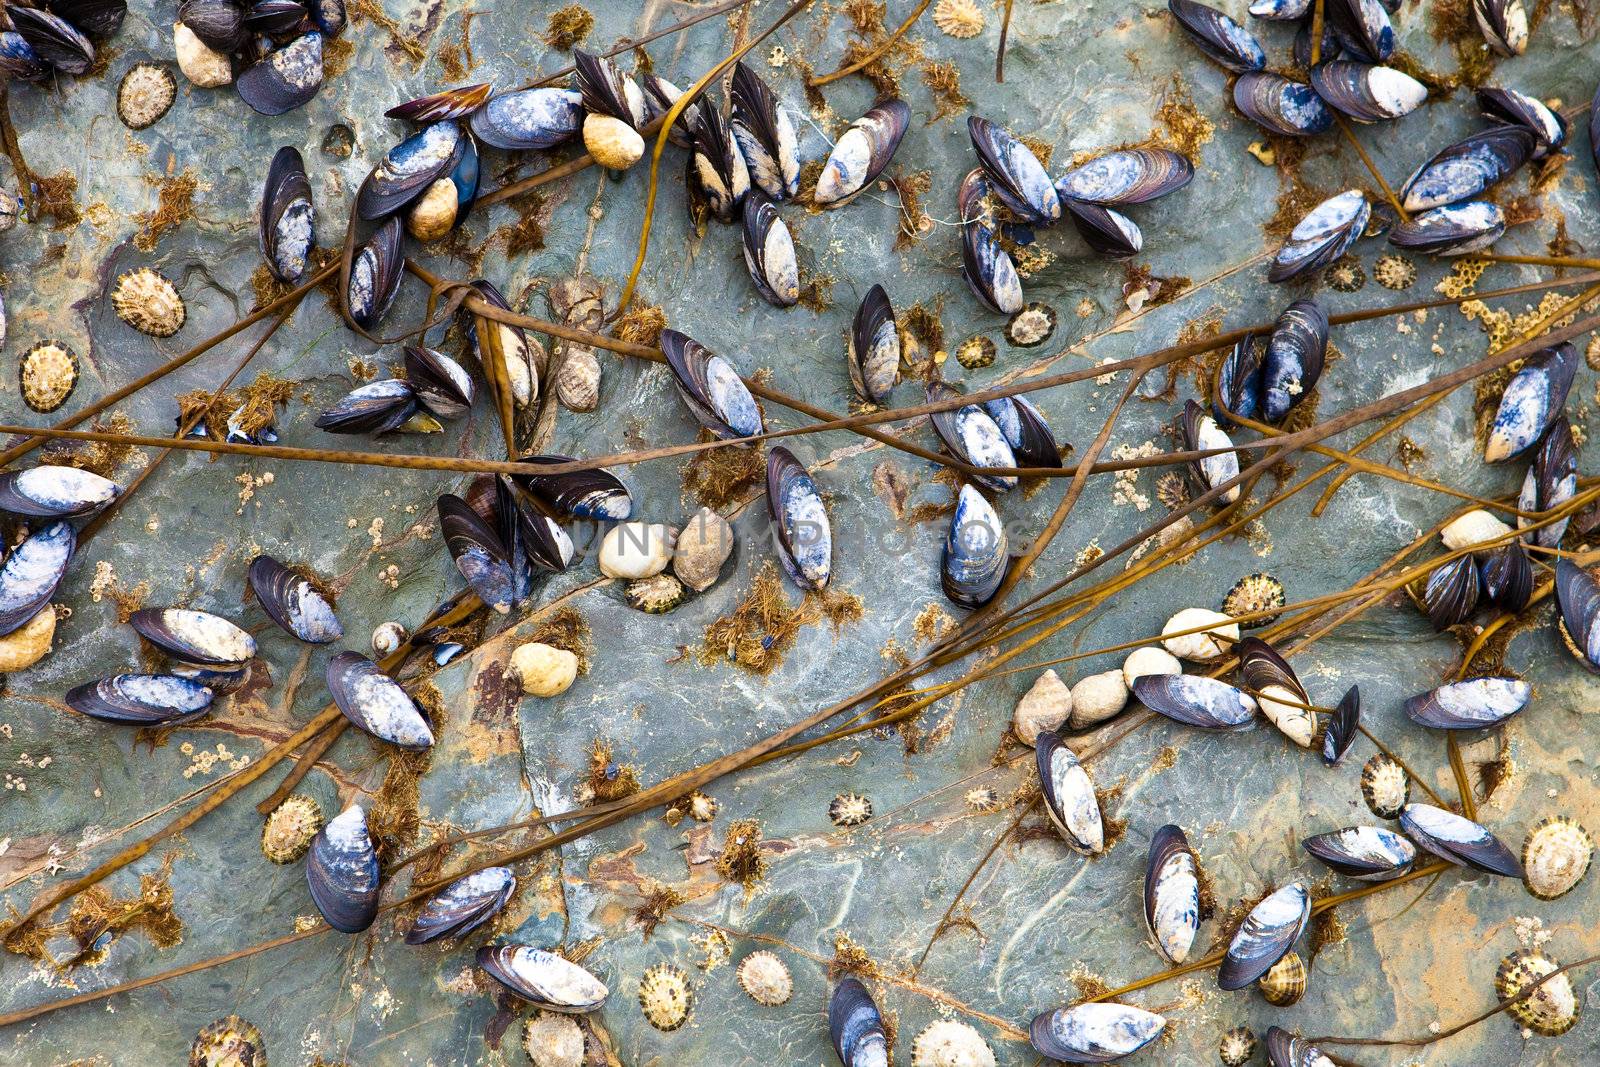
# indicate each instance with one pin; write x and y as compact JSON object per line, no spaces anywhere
{"x":1553,"y":1008}
{"x":765,"y":978}
{"x":666,"y":996}
{"x":951,"y":1043}
{"x":1555,"y":857}
{"x":290,"y":829}
{"x":1385,"y":786}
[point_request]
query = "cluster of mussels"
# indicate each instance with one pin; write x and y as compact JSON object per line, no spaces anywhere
{"x":275,"y":45}
{"x":56,"y":37}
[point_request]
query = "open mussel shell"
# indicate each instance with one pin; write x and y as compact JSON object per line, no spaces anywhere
{"x":450,"y":104}
{"x":463,"y":905}
{"x":874,"y":347}
{"x":1470,"y":705}
{"x":1069,"y":797}
{"x":1549,"y":129}
{"x":97,"y":18}
{"x":1286,"y":1050}
{"x":1014,"y":172}
{"x":861,"y":153}
{"x":19,"y":60}
{"x":53,"y":39}
{"x":141,"y":700}
{"x":856,"y":1027}
{"x":1578,"y":595}
{"x":1451,"y":230}
{"x":1551,"y":481}
{"x":1532,"y":401}
{"x":274,"y":17}
{"x":1504,"y":24}
{"x":1223,"y":40}
{"x":1507,"y":574}
{"x":220,"y":24}
{"x":377,"y":407}
{"x":293,"y":603}
{"x":1093,"y":1033}
{"x":592,"y":494}
{"x":440,"y":384}
{"x":542,"y":978}
{"x":1172,"y":894}
{"x":342,"y":872}
{"x":711,"y":388}
{"x":1238,"y":389}
{"x":1199,"y":432}
{"x":1468,"y":167}
{"x":1458,"y":840}
{"x":529,"y":119}
{"x":54,"y":492}
{"x":1294,"y":358}
{"x":1278,"y":105}
{"x":284,"y":80}
{"x":376,"y":703}
{"x":507,"y":517}
{"x":543,"y":540}
{"x":1362,"y":27}
{"x":1451,"y":595}
{"x":408,"y":168}
{"x":195,"y":637}
{"x":1128,"y":176}
{"x":606,"y":89}
{"x":765,"y":134}
{"x":1326,"y":233}
{"x":1268,"y":932}
{"x":972,"y":436}
{"x":1195,"y":700}
{"x":32,"y":572}
{"x":717,"y":165}
{"x":1342,"y":727}
{"x":1367,"y":93}
{"x":1032,"y":443}
{"x":375,"y":274}
{"x":985,"y":264}
{"x":479,"y":552}
{"x":1367,"y":853}
{"x":975,"y":555}
{"x":805,"y":538}
{"x":769,"y":252}
{"x":1108,"y":232}
{"x":1269,"y":675}
{"x":288,"y":216}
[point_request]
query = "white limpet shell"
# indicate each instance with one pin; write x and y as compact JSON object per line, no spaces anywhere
{"x":951,"y":1043}
{"x":1097,"y":698}
{"x":1203,"y":647}
{"x":553,"y":1040}
{"x":1045,"y":706}
{"x":1473,"y":528}
{"x":765,"y":978}
{"x":1149,"y":660}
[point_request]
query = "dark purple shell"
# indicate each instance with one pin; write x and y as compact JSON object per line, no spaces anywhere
{"x":342,"y":872}
{"x":1451,"y":595}
{"x":463,"y":905}
{"x":591,"y":494}
{"x":1458,"y":840}
{"x":1196,"y":700}
{"x":1471,"y":704}
{"x":53,"y":39}
{"x":449,"y":104}
{"x":141,"y":700}
{"x":293,"y":603}
{"x":1342,"y":727}
{"x":479,"y":553}
{"x":284,"y":80}
{"x":1578,"y":595}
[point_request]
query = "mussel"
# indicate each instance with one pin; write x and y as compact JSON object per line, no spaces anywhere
{"x":485,"y":336}
{"x":1093,"y":1032}
{"x":985,"y":264}
{"x":1128,"y":176}
{"x":591,"y":494}
{"x":342,"y":872}
{"x":439,"y":383}
{"x":454,"y":103}
{"x":463,"y":905}
{"x":975,"y":557}
{"x":1463,"y":170}
{"x":1342,"y":727}
{"x":1199,"y":432}
{"x":1551,"y":481}
{"x":717,"y":167}
{"x":1268,"y":932}
{"x":861,"y":153}
{"x":480,"y":553}
{"x":198,"y":638}
{"x":375,"y":275}
{"x":329,"y":16}
{"x":542,"y":978}
{"x":1015,"y":174}
{"x":1325,"y":234}
{"x":274,"y":17}
{"x":1471,"y":704}
{"x":1238,"y":387}
{"x":615,"y":108}
{"x":1365,"y":92}
{"x":1294,"y":359}
{"x":769,"y":251}
{"x":1286,"y":1050}
{"x":1578,"y":595}
{"x":141,"y":700}
{"x":1367,"y":853}
{"x":53,"y":39}
{"x":1451,"y":595}
{"x":874,"y":347}
{"x":1108,"y":232}
{"x":408,"y":168}
{"x":1507,"y":575}
{"x":800,"y":520}
{"x":1278,"y":105}
{"x":288,"y":217}
{"x":18,"y":60}
{"x":972,"y":436}
{"x":1069,"y":796}
{"x":711,"y":388}
{"x":285,"y":79}
{"x":1023,"y":427}
{"x":1277,"y":689}
{"x":220,"y":24}
{"x":1451,"y":230}
{"x":529,"y":119}
{"x":97,"y":18}
{"x":856,"y":1027}
{"x":1362,"y":27}
{"x":765,"y":134}
{"x":1281,"y":10}
{"x":54,"y":492}
{"x":376,"y":703}
{"x":1504,"y":24}
{"x":293,"y":603}
{"x":1549,"y":129}
{"x":378,"y":407}
{"x":1195,"y":700}
{"x":1172,"y":894}
{"x":659,"y":97}
{"x":1531,"y":402}
{"x":1223,"y":40}
{"x":1458,"y":840}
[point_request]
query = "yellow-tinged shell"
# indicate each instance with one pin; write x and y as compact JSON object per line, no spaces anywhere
{"x":1237,"y":1046}
{"x":228,"y":1042}
{"x":1555,"y":857}
{"x":655,"y":595}
{"x":1394,"y":272}
{"x":850,"y":809}
{"x":288,"y":831}
{"x":1285,"y":983}
{"x":28,"y":643}
{"x":146,"y":300}
{"x":1254,"y":592}
{"x":1553,"y":1008}
{"x":949,"y":1043}
{"x":47,"y":373}
{"x":701,"y":807}
{"x":145,"y":94}
{"x":765,"y":979}
{"x":613,"y":143}
{"x":958,"y":18}
{"x":434,"y":212}
{"x":976,"y":352}
{"x":1385,"y":786}
{"x":553,"y":1040}
{"x":666,"y":996}
{"x":204,"y":67}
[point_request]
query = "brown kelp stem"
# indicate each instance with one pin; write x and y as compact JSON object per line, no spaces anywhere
{"x":1000,"y":52}
{"x":819,"y":80}
{"x":1372,"y":168}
